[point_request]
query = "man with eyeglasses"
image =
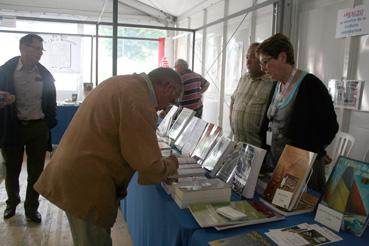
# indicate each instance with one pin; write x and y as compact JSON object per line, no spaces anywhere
{"x":250,"y":101}
{"x":27,"y":113}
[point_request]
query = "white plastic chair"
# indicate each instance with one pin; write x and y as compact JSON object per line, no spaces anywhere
{"x":342,"y":146}
{"x":366,"y":156}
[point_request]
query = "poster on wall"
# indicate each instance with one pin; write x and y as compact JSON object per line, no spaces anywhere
{"x":346,"y":93}
{"x":352,"y":22}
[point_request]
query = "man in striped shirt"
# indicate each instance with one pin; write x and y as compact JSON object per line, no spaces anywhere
{"x":194,"y":86}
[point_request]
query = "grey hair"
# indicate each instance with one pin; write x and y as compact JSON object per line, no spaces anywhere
{"x":182,"y":63}
{"x":163,"y":75}
{"x":28,"y":39}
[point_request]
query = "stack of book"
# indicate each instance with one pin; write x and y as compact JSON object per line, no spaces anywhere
{"x":225,"y":215}
{"x":200,"y":190}
{"x":289,"y":180}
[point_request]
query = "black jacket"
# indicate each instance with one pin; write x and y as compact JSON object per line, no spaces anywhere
{"x":8,"y":116}
{"x":313,"y":123}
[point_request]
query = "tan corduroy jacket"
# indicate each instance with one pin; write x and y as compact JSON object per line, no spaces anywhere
{"x":111,"y":136}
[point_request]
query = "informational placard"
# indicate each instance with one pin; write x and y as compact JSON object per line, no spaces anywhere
{"x":352,"y":21}
{"x":346,"y":93}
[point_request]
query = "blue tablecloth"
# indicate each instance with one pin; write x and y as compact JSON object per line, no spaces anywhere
{"x":203,"y":236}
{"x":153,"y":218}
{"x":64,"y":114}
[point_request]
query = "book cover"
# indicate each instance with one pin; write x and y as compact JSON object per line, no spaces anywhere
{"x":179,"y":124}
{"x":347,"y":193}
{"x":227,"y":169}
{"x":217,"y":154}
{"x":194,"y":137}
{"x":306,"y":204}
{"x":247,"y":170}
{"x":206,"y":142}
{"x":165,"y":124}
{"x":186,"y":133}
{"x":289,"y":177}
{"x":206,"y":215}
{"x":252,"y":238}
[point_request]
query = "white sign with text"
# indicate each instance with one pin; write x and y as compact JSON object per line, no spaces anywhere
{"x":352,"y":22}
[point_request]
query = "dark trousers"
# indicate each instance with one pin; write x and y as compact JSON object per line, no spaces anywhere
{"x":198,"y":113}
{"x":34,"y":137}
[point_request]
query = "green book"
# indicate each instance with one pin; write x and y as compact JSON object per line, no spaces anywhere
{"x":206,"y":214}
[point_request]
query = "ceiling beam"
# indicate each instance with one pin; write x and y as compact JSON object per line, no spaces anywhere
{"x":159,"y":15}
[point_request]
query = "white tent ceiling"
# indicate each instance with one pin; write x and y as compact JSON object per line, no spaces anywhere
{"x":134,"y":11}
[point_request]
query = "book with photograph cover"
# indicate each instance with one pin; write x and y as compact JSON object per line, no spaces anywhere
{"x":194,"y":137}
{"x":180,"y":123}
{"x":347,"y":194}
{"x":290,"y":177}
{"x":255,"y":212}
{"x":166,"y":123}
{"x":218,"y":153}
{"x":247,"y":170}
{"x":252,"y":238}
{"x":227,"y":168}
{"x":206,"y":142}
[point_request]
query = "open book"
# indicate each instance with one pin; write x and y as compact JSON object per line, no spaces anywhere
{"x":289,"y":177}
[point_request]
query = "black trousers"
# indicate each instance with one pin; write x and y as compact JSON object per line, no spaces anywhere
{"x":34,"y":137}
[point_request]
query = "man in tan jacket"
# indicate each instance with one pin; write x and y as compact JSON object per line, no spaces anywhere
{"x":112,"y":136}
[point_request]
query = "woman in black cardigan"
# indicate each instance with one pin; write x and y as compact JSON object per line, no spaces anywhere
{"x":301,"y":113}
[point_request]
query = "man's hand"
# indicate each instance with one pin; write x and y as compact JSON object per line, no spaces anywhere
{"x":6,"y":98}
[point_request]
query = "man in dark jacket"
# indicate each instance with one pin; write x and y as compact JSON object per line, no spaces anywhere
{"x":27,"y":113}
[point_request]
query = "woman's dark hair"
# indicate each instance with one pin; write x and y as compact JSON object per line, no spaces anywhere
{"x":276,"y":44}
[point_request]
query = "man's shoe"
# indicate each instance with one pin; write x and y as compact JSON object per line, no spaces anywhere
{"x":9,"y":212}
{"x":34,"y":217}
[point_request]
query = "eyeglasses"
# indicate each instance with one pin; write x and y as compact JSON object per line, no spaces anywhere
{"x":265,"y":60}
{"x":36,"y":48}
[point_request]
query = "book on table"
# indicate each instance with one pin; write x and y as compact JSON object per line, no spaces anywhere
{"x":194,"y":137}
{"x":289,"y":178}
{"x":186,"y":133}
{"x":306,"y":204}
{"x":345,"y":203}
{"x":302,"y":234}
{"x":212,"y":214}
{"x":241,"y":168}
{"x":252,"y":238}
{"x":206,"y":142}
{"x":166,"y":123}
{"x":247,"y":170}
{"x":180,"y":123}
{"x":218,"y":153}
{"x":200,"y":190}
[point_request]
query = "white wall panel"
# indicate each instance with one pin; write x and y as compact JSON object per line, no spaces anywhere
{"x":238,"y":5}
{"x":318,"y":51}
